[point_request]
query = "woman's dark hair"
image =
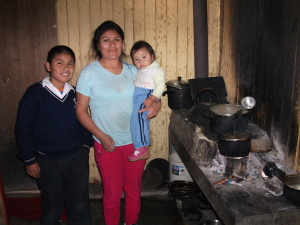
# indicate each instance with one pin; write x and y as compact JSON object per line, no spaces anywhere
{"x":141,"y":44}
{"x":58,"y":50}
{"x":105,"y":26}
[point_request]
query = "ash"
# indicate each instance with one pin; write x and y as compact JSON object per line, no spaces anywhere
{"x":255,"y":163}
{"x":273,"y":185}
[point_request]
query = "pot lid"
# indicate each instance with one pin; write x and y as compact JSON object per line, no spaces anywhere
{"x":235,"y":137}
{"x":179,"y":84}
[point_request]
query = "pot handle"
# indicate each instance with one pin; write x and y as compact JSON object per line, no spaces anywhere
{"x":271,"y":170}
{"x":168,"y":92}
{"x":207,"y":115}
{"x":204,"y":90}
{"x":237,"y":114}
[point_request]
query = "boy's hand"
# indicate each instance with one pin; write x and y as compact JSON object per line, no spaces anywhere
{"x":33,"y":170}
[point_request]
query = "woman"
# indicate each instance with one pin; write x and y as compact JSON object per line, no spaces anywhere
{"x":107,"y":86}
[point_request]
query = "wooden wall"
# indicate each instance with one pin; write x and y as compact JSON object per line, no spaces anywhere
{"x":28,"y":31}
{"x":166,"y":24}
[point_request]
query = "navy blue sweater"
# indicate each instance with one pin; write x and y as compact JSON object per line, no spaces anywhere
{"x":47,"y":126}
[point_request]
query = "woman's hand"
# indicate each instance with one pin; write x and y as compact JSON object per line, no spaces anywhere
{"x":107,"y":143}
{"x":33,"y":170}
{"x":149,"y":101}
{"x":153,"y":110}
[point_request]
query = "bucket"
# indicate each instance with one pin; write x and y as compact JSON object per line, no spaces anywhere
{"x":177,"y":169}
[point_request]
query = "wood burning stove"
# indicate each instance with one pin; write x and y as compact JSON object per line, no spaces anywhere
{"x":244,"y":201}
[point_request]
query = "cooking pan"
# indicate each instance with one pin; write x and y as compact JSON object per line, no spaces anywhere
{"x":291,"y":183}
{"x":221,"y":118}
{"x":234,"y":144}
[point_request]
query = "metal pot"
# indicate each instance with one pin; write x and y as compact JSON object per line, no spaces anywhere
{"x":291,"y":183}
{"x":179,"y":94}
{"x":222,"y":119}
{"x":235,"y":144}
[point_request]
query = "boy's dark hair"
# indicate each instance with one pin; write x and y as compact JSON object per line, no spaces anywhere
{"x":58,"y":50}
{"x":105,"y":26}
{"x":141,"y":44}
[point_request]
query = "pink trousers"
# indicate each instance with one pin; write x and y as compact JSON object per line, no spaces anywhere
{"x":118,"y":175}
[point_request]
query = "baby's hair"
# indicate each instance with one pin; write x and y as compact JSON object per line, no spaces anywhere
{"x":141,"y":44}
{"x":58,"y":50}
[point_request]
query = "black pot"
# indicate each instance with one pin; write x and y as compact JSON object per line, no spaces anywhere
{"x":235,"y":144}
{"x":291,"y":183}
{"x":291,"y":189}
{"x":183,"y":189}
{"x":179,"y":94}
{"x":222,"y":119}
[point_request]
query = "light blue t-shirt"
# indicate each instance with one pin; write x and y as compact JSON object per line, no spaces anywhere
{"x":110,"y":99}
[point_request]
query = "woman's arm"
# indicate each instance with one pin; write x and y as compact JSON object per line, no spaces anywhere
{"x":152,"y":110}
{"x":85,"y":119}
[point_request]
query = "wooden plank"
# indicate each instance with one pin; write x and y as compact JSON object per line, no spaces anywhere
{"x":118,"y":12}
{"x":85,"y":35}
{"x":106,"y":10}
{"x":160,"y":123}
{"x":138,"y":20}
{"x":181,"y":55}
{"x":170,"y":68}
{"x":95,"y":15}
{"x":150,"y":31}
{"x":227,"y":69}
{"x":172,"y":32}
{"x":128,"y":25}
{"x":62,"y":22}
{"x":260,"y":145}
{"x":214,"y":26}
{"x":74,"y":34}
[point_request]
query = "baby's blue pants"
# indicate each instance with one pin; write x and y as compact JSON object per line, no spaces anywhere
{"x":140,"y":127}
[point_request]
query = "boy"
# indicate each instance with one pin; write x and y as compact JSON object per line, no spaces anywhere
{"x":53,"y":144}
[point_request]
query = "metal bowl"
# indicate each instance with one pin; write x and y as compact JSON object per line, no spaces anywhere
{"x":212,"y":222}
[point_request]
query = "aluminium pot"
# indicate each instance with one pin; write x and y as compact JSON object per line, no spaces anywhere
{"x":291,"y":183}
{"x":179,"y":94}
{"x":234,"y":144}
{"x":222,"y":119}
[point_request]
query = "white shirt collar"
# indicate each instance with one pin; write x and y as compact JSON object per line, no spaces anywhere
{"x":46,"y":83}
